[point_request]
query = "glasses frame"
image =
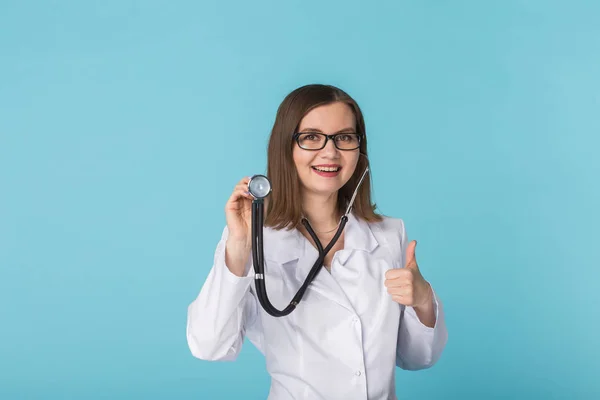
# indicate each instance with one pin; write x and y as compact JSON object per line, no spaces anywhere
{"x":327,"y":137}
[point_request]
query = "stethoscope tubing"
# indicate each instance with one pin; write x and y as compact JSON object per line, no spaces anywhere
{"x":258,"y":253}
{"x":258,"y":260}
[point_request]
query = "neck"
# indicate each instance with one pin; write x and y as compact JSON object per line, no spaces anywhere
{"x":321,"y":211}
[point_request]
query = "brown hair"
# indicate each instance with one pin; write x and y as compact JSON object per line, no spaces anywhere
{"x":282,"y":211}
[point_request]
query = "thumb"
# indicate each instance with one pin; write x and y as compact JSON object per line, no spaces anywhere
{"x":411,"y":261}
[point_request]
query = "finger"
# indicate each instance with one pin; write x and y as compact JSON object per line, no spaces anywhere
{"x":240,"y":193}
{"x":403,"y":299}
{"x":411,"y":261}
{"x":243,"y":192}
{"x":402,"y":281}
{"x":398,"y":273}
{"x":241,"y":186}
{"x":244,"y":180}
{"x":404,"y":291}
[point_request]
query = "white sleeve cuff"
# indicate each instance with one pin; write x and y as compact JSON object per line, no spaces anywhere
{"x":410,"y":312}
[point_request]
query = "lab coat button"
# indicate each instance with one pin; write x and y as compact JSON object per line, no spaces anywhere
{"x":357,"y":373}
{"x":355,"y":319}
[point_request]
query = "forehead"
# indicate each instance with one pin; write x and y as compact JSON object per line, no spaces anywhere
{"x":329,"y":118}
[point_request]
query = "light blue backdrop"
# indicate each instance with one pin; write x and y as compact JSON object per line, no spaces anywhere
{"x":124,"y":126}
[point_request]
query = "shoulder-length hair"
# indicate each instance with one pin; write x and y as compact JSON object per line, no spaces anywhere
{"x":284,"y":206}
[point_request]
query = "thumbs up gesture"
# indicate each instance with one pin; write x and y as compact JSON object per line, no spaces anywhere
{"x":406,"y":285}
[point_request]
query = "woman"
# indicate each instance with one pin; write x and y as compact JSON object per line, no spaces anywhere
{"x":369,"y":311}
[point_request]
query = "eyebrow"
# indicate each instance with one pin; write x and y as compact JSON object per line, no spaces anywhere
{"x":345,"y":130}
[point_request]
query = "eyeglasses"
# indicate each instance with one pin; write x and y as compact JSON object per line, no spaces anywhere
{"x":318,"y":141}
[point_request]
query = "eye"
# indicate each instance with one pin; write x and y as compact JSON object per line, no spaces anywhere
{"x":347,"y":137}
{"x":310,"y":137}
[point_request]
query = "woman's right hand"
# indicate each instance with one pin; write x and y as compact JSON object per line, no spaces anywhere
{"x":238,"y":213}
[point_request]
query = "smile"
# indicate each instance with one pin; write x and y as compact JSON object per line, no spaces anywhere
{"x":327,"y":171}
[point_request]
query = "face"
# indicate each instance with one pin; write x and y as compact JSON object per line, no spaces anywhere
{"x":326,"y":171}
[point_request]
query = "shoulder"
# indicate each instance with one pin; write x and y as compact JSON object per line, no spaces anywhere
{"x":388,"y":226}
{"x":390,"y":231}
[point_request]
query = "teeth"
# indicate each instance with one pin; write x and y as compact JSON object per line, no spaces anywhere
{"x":327,"y":169}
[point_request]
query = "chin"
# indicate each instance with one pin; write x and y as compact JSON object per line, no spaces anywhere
{"x":326,"y":189}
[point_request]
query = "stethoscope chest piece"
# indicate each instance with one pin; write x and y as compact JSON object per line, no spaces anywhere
{"x":259,"y":186}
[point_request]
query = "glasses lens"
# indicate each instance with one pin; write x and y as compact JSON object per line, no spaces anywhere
{"x":347,"y":141}
{"x":316,"y":141}
{"x":311,"y":141}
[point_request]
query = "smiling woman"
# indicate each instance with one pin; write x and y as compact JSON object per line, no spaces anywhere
{"x":338,"y":160}
{"x":374,"y":291}
{"x":307,"y":121}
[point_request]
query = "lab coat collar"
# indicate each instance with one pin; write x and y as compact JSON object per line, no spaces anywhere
{"x":358,"y":237}
{"x":292,"y":245}
{"x":289,"y":245}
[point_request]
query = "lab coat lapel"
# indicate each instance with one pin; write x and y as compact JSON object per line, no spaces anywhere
{"x":291,"y":245}
{"x":358,"y":237}
{"x":282,"y":246}
{"x":324,"y":284}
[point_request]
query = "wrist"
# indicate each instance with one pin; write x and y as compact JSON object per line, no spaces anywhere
{"x":241,"y":244}
{"x":236,"y":256}
{"x":427,"y":302}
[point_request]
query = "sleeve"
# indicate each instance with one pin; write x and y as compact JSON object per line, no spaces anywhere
{"x":225,"y":311}
{"x":419,"y":346}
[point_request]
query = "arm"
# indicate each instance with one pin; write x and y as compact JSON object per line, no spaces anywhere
{"x":422,"y":333}
{"x":224,"y":311}
{"x":420,"y":346}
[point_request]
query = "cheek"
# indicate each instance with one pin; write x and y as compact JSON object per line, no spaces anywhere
{"x":351,"y":167}
{"x":301,"y":159}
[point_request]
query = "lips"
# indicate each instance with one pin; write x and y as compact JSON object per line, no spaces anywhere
{"x":327,"y":170}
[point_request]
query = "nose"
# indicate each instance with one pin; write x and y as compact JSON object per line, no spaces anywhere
{"x":330,"y":150}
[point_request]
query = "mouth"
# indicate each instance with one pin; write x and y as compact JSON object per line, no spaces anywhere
{"x":328,"y":171}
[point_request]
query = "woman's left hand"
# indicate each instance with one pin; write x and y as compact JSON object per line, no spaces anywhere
{"x":406,"y":285}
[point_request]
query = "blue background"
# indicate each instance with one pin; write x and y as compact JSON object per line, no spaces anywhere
{"x":124,"y":126}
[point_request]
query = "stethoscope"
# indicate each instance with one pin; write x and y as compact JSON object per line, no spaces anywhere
{"x":259,"y":187}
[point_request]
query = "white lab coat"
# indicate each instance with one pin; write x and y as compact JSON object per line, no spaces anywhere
{"x":346,"y":336}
